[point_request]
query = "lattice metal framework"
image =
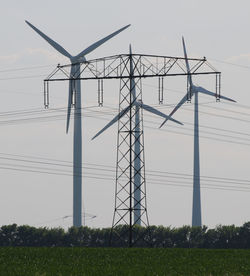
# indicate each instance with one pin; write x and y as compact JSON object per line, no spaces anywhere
{"x":116,"y":67}
{"x":130,"y":192}
{"x":131,"y":209}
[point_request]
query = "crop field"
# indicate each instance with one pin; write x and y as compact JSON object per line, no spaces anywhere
{"x":118,"y":261}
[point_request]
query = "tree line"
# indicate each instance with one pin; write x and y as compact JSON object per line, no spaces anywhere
{"x":154,"y":236}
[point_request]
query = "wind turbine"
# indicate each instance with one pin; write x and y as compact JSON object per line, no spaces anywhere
{"x":195,"y":90}
{"x":136,"y":104}
{"x":75,"y":93}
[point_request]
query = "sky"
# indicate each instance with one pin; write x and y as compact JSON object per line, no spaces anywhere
{"x":36,"y":152}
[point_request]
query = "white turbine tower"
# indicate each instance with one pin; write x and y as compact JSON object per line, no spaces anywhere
{"x":194,"y":90}
{"x":75,"y":93}
{"x":137,"y":142}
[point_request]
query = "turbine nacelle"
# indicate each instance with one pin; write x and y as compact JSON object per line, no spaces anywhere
{"x":76,"y":59}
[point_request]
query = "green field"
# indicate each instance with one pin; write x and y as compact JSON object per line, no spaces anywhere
{"x":117,"y":261}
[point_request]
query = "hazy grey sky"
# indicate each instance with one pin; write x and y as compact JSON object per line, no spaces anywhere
{"x":215,"y":29}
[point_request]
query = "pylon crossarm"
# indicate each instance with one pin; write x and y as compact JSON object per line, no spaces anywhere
{"x":117,"y":67}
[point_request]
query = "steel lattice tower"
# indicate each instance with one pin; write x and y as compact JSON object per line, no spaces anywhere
{"x":130,"y":191}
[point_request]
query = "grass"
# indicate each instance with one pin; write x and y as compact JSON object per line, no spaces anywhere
{"x":119,"y":261}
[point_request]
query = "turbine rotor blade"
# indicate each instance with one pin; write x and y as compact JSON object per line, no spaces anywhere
{"x":69,"y":99}
{"x":207,"y":92}
{"x":99,"y":43}
{"x":181,"y":102}
{"x":186,"y":61}
{"x":115,"y":119}
{"x":157,"y":112}
{"x":69,"y":106}
{"x":54,"y":44}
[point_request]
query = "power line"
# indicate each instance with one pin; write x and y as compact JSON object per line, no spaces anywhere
{"x":228,"y":110}
{"x":23,"y":77}
{"x":151,"y":179}
{"x":231,"y":63}
{"x":154,"y":182}
{"x":61,"y":117}
{"x":26,"y":68}
{"x":99,"y":166}
{"x":64,"y":109}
